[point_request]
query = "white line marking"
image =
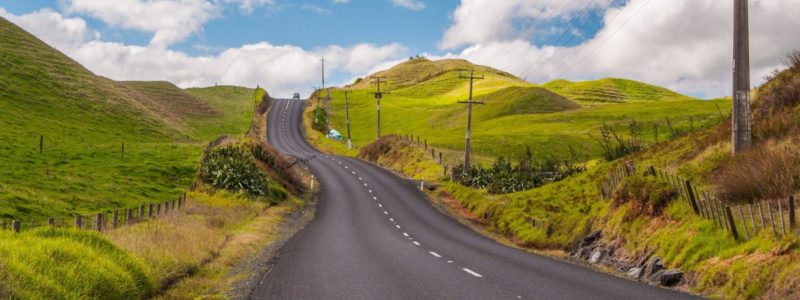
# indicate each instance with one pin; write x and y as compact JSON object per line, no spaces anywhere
{"x":385,"y":213}
{"x":391,"y":219}
{"x":406,"y":234}
{"x":359,"y":178}
{"x":354,"y":172}
{"x":346,"y":167}
{"x":398,"y":226}
{"x":415,"y":243}
{"x":379,"y":205}
{"x":471,"y":272}
{"x":434,"y":254}
{"x":449,"y":261}
{"x":340,"y":163}
{"x":287,"y":106}
{"x":374,"y":198}
{"x":370,"y":191}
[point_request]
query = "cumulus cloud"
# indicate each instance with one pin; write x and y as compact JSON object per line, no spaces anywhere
{"x":282,"y":69}
{"x":409,"y":4}
{"x":170,"y":21}
{"x":248,"y":6}
{"x":316,"y":8}
{"x":685,"y":45}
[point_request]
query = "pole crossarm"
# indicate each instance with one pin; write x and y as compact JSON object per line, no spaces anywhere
{"x":377,"y":80}
{"x":469,"y":104}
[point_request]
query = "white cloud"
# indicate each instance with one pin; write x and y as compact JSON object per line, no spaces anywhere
{"x":282,"y":69}
{"x":685,"y":45}
{"x":248,"y":6}
{"x":170,"y":21}
{"x":479,"y":21}
{"x":409,"y":4}
{"x":316,"y":8}
{"x":341,"y":1}
{"x":53,"y":28}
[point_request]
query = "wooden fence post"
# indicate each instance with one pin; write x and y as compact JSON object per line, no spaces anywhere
{"x":711,"y":208}
{"x":433,"y":153}
{"x":150,"y":211}
{"x":141,"y":212}
{"x":702,"y":206}
{"x":41,"y":143}
{"x":440,"y":157}
{"x":744,"y":223}
{"x":780,"y":212}
{"x":731,"y":222}
{"x":692,"y":199}
{"x":722,"y":214}
{"x":426,"y":144}
{"x":158,"y":209}
{"x":129,"y":216}
{"x":792,"y":220}
{"x":78,"y":221}
{"x":15,"y":226}
{"x":114,"y":219}
{"x":752,"y":218}
{"x":771,"y":219}
{"x":98,"y":222}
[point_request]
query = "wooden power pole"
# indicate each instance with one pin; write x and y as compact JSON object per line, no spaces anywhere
{"x":377,"y":80}
{"x":347,"y":120}
{"x":469,"y":103}
{"x":742,"y":135}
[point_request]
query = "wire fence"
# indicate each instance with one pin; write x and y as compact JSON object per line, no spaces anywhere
{"x":742,"y":221}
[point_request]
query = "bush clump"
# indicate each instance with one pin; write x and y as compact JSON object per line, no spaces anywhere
{"x":614,"y":146}
{"x":320,"y":120}
{"x":766,"y":172}
{"x":233,"y":168}
{"x":648,"y":196}
{"x":503,"y":177}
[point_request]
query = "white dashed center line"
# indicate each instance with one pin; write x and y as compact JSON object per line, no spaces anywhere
{"x":434,"y":254}
{"x":471,"y":272}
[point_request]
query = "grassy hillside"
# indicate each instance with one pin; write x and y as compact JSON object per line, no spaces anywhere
{"x":84,"y":120}
{"x":515,"y":114}
{"x":612,"y":90}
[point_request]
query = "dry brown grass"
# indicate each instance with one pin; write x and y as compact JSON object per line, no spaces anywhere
{"x":380,"y":148}
{"x":775,"y":106}
{"x":769,"y":171}
{"x":177,"y":244}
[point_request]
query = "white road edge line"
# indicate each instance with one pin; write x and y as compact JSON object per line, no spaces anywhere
{"x":434,"y":254}
{"x":415,"y":243}
{"x":471,"y":272}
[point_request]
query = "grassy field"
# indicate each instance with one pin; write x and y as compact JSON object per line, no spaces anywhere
{"x":84,"y":120}
{"x":549,"y":118}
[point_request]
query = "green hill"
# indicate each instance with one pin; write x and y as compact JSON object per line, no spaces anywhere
{"x":84,"y":120}
{"x":549,"y":118}
{"x":612,"y":90}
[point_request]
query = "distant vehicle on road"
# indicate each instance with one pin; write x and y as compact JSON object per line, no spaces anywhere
{"x":296,"y":96}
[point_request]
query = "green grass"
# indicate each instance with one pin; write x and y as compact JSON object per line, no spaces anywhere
{"x":69,"y":264}
{"x":515,"y":114}
{"x":612,"y":90}
{"x":84,"y":120}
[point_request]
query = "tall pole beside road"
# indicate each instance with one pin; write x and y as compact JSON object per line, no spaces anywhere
{"x":742,"y":135}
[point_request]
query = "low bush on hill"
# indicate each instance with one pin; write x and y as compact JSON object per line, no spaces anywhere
{"x":233,"y":168}
{"x":647,"y":195}
{"x":504,"y":177}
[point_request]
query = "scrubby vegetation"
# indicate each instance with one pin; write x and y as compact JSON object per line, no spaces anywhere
{"x":614,"y":146}
{"x":647,"y":195}
{"x":233,"y":168}
{"x":503,"y":177}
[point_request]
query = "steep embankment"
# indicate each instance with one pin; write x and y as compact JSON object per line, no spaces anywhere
{"x":549,"y":118}
{"x":82,"y":121}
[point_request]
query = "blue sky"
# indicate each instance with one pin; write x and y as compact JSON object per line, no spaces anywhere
{"x":278,"y":43}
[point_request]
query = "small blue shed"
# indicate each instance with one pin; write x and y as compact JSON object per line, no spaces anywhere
{"x":335,"y":135}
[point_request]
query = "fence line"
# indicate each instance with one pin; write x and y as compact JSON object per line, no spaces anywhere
{"x":725,"y":215}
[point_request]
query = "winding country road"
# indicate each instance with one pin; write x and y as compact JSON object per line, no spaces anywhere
{"x":376,"y":236}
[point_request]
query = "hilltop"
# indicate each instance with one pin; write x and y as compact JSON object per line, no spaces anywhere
{"x":550,"y":118}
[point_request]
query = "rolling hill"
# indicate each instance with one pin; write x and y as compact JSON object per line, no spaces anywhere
{"x":83,"y":120}
{"x":550,"y":118}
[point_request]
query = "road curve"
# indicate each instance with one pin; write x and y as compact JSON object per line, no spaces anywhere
{"x":375,"y":236}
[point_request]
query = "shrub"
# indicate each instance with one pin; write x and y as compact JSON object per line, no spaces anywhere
{"x":775,"y":111}
{"x":380,"y":148}
{"x":234,"y":169}
{"x":614,"y":146}
{"x":647,"y":195}
{"x":766,"y":172}
{"x":504,"y":178}
{"x":260,"y":153}
{"x":319,"y":123}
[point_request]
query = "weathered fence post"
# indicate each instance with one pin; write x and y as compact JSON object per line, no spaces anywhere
{"x":440,"y":157}
{"x":426,"y":144}
{"x":433,"y":153}
{"x":711,"y":208}
{"x":41,"y":144}
{"x":752,"y":218}
{"x":98,"y":222}
{"x":114,"y":219}
{"x":744,"y":223}
{"x":692,"y":199}
{"x":771,"y":219}
{"x":51,"y":221}
{"x":150,"y":211}
{"x":702,"y":208}
{"x":78,"y":222}
{"x":158,"y":209}
{"x":731,"y":222}
{"x":792,"y":220}
{"x":129,"y":216}
{"x":141,"y":212}
{"x":445,"y":170}
{"x":780,"y":212}
{"x":15,"y":226}
{"x":312,"y":181}
{"x":122,"y":152}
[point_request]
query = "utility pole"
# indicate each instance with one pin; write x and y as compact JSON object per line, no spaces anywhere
{"x":377,"y":80}
{"x":742,"y":135}
{"x":469,"y":103}
{"x":347,"y":120}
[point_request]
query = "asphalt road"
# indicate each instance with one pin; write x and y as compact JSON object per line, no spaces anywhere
{"x":376,"y":236}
